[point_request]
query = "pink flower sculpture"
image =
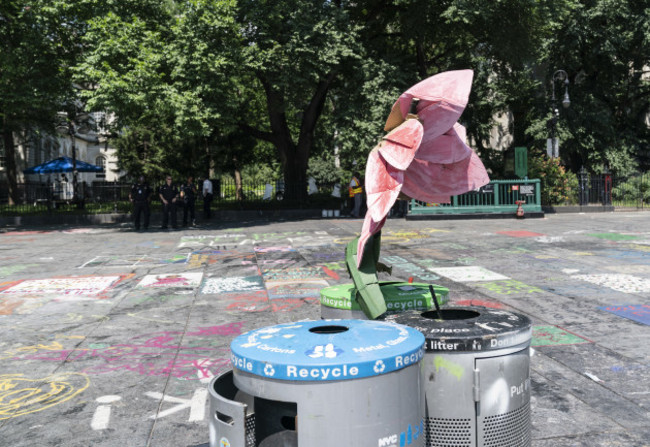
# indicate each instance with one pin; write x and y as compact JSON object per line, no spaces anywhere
{"x":424,"y":156}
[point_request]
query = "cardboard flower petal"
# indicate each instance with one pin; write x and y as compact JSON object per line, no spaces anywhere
{"x":425,"y":155}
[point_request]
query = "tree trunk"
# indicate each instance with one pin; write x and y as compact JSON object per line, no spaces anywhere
{"x":294,"y":157}
{"x":10,"y":165}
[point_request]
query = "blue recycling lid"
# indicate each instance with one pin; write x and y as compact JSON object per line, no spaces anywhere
{"x":327,"y":350}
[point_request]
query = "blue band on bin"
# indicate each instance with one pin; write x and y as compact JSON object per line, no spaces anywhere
{"x":327,"y":350}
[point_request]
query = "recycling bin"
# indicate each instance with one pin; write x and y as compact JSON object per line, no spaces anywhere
{"x":339,"y":301}
{"x":476,"y":376}
{"x":321,"y":384}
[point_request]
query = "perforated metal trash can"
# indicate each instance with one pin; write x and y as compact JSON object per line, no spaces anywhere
{"x":476,"y":376}
{"x":321,"y":384}
{"x":339,"y":301}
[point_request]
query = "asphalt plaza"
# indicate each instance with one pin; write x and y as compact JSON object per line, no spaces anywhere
{"x":110,"y":336}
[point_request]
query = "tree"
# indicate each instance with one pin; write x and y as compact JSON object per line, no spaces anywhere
{"x":293,"y":52}
{"x":160,"y":69}
{"x":37,"y":49}
{"x":603,"y":45}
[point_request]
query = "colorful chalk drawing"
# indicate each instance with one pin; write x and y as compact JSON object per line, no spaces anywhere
{"x":521,"y":233}
{"x":292,"y":273}
{"x":172,"y":280}
{"x":73,"y":285}
{"x":468,"y":274}
{"x":295,"y":289}
{"x":403,"y":236}
{"x":614,"y":236}
{"x":618,"y":281}
{"x":20,"y":395}
{"x":509,"y":287}
{"x":233,"y":284}
{"x":636,"y":312}
{"x":547,"y":335}
{"x":185,"y":356}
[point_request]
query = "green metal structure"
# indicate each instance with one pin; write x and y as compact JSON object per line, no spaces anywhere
{"x":499,"y":196}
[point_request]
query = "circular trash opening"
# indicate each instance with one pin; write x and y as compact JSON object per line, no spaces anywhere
{"x":329,"y":329}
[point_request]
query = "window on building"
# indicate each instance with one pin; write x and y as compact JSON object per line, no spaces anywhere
{"x":101,"y":161}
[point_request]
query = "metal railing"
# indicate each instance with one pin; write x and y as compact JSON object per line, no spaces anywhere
{"x":499,"y":196}
{"x":108,"y":197}
{"x":631,"y":192}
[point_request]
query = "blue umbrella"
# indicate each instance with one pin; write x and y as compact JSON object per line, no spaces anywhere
{"x":62,"y":164}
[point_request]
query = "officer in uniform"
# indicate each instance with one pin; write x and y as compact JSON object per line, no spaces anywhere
{"x":188,"y":193}
{"x":140,"y":196}
{"x":168,"y":195}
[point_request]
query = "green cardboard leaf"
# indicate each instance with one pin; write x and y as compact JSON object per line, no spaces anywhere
{"x":369,"y":295}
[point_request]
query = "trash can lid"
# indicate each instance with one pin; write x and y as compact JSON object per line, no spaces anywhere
{"x":327,"y":350}
{"x":468,"y":328}
{"x":399,"y":296}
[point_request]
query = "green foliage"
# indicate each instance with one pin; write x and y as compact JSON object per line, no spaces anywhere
{"x":557,"y":185}
{"x":220,"y":85}
{"x":633,"y":191}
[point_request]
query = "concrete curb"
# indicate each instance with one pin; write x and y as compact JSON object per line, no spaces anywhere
{"x":579,"y":209}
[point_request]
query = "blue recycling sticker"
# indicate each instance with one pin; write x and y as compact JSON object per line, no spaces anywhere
{"x":327,"y":350}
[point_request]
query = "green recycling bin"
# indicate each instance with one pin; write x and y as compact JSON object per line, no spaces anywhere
{"x":340,"y":301}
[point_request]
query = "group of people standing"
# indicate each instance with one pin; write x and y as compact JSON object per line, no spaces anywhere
{"x":172,"y":196}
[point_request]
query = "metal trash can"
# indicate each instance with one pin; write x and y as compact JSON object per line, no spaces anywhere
{"x":321,"y":384}
{"x":339,"y":301}
{"x":476,"y":376}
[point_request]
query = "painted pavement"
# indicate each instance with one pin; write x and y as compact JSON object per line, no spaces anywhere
{"x":110,"y":337}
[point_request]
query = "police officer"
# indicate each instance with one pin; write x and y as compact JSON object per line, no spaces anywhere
{"x":188,"y":193}
{"x":140,"y":196}
{"x":168,"y":196}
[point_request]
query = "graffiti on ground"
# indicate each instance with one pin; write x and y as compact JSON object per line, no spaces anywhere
{"x":20,"y":395}
{"x":73,"y":285}
{"x":172,"y":280}
{"x":232,"y":284}
{"x":636,"y":312}
{"x":295,"y":288}
{"x":614,"y":236}
{"x":618,"y":281}
{"x":548,"y":335}
{"x":184,"y":356}
{"x":468,"y":274}
{"x":509,"y":287}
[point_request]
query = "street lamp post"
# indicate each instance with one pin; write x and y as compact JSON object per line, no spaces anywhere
{"x":552,"y":146}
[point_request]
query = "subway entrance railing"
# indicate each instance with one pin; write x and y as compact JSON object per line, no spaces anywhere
{"x":499,"y":196}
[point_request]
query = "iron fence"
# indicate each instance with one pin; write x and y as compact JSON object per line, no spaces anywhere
{"x":107,"y":197}
{"x":632,"y":191}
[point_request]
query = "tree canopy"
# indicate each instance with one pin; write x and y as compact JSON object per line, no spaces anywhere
{"x":219,"y":84}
